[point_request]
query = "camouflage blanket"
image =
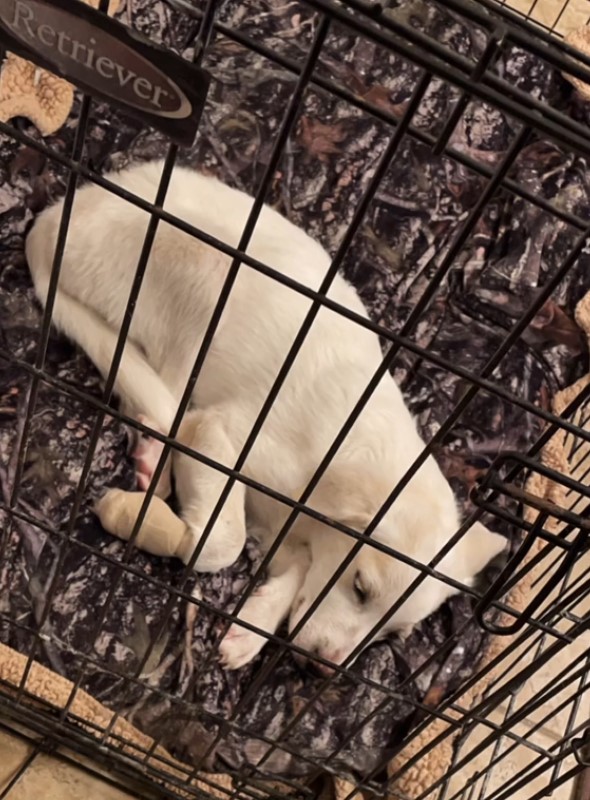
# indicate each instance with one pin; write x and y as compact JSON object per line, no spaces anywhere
{"x":183,"y":698}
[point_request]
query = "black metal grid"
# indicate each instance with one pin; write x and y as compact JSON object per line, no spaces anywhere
{"x":550,"y":623}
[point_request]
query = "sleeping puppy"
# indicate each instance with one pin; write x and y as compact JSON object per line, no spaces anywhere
{"x":182,"y":283}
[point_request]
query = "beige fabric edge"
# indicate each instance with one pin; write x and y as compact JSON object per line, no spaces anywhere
{"x":55,"y":690}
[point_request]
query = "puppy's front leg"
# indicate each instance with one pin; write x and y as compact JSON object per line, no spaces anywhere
{"x":266,"y":608}
{"x":199,"y":487}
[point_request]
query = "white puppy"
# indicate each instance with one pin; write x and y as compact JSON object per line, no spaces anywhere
{"x":181,"y":286}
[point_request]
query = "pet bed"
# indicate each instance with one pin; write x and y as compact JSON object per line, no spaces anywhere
{"x":421,"y":205}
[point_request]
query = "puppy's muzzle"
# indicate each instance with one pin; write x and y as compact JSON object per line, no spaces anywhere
{"x":310,"y":662}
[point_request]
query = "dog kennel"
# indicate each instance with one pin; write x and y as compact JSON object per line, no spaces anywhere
{"x":439,"y":151}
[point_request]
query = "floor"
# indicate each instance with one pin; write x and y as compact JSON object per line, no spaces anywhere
{"x":53,"y":779}
{"x":561,"y":16}
{"x":544,"y":728}
{"x":48,"y":777}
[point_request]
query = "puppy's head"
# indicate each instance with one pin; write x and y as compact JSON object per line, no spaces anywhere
{"x":418,"y":526}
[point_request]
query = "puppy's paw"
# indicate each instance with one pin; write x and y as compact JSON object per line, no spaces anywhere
{"x":404,"y":632}
{"x":239,"y":646}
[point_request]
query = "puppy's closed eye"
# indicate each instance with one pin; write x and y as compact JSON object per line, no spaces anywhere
{"x":362,"y":594}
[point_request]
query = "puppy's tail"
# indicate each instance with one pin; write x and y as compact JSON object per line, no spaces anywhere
{"x":137,"y":384}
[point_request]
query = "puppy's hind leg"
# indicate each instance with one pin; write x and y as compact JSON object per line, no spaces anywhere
{"x":146,"y":455}
{"x":146,"y":451}
{"x":266,"y":608}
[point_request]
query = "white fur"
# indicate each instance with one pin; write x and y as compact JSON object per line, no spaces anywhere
{"x":180,"y":290}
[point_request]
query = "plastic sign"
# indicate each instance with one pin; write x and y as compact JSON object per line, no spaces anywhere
{"x":108,"y":60}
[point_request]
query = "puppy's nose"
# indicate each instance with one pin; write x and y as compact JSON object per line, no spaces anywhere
{"x":324,"y":670}
{"x":309,"y":662}
{"x":300,"y":659}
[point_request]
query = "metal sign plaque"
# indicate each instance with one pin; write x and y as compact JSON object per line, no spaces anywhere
{"x":108,"y":60}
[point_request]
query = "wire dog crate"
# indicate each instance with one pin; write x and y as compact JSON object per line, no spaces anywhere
{"x":464,"y":103}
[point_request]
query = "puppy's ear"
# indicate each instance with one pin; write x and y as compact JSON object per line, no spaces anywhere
{"x":471,"y":554}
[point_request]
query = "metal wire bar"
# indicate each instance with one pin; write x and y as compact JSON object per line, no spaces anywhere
{"x":303,"y":509}
{"x":467,"y":716}
{"x":485,"y":385}
{"x":578,"y":521}
{"x":519,"y":27}
{"x":550,"y":566}
{"x":491,"y":697}
{"x":149,"y":238}
{"x":496,"y":755}
{"x":217,"y":720}
{"x":327,"y":281}
{"x":535,"y":602}
{"x":77,"y":151}
{"x":536,"y":773}
{"x":379,"y":113}
{"x":557,"y":53}
{"x":495,"y":758}
{"x":418,"y":309}
{"x":490,"y":54}
{"x":124,"y":742}
{"x":472,"y":782}
{"x":149,"y":753}
{"x":287,"y":501}
{"x":181,"y":594}
{"x":178,"y":593}
{"x":57,"y":754}
{"x":559,"y":16}
{"x":62,"y":231}
{"x":569,"y":729}
{"x":107,"y":394}
{"x":447,"y":262}
{"x":10,"y":475}
{"x":20,"y":771}
{"x":78,"y":739}
{"x":284,"y":131}
{"x":335,"y":89}
{"x":382,"y":331}
{"x":37,"y":372}
{"x":574,"y":468}
{"x":442,"y":61}
{"x":544,"y":658}
{"x":534,"y":562}
{"x":392,"y":694}
{"x":576,"y":447}
{"x":490,"y":366}
{"x":556,"y":761}
{"x":213,"y":717}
